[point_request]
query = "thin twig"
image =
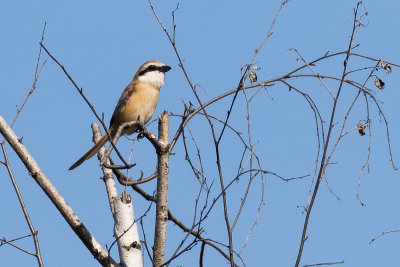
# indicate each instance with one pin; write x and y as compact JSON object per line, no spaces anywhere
{"x":34,"y":233}
{"x":15,"y":239}
{"x":383,"y":233}
{"x":316,"y":74}
{"x":4,"y":240}
{"x":36,"y":77}
{"x":80,"y":90}
{"x":331,"y":123}
{"x":323,"y":264}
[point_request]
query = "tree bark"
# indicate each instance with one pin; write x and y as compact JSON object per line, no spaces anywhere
{"x":162,"y":191}
{"x":125,"y":226}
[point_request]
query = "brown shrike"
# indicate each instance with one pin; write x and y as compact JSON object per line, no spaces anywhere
{"x":137,"y":102}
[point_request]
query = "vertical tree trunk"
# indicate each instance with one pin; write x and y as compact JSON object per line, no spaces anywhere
{"x":162,"y":192}
{"x":125,"y":226}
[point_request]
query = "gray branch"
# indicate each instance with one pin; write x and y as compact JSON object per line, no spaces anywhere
{"x":59,"y":202}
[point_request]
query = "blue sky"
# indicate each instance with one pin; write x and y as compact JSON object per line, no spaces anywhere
{"x":102,"y":43}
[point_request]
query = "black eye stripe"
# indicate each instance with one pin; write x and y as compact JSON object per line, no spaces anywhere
{"x":149,"y":68}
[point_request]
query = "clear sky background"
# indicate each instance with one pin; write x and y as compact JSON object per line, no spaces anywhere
{"x":102,"y":43}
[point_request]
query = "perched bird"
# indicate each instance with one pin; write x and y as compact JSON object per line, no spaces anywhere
{"x":137,"y":102}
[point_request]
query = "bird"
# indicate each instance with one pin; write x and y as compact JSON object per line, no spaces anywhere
{"x":137,"y":102}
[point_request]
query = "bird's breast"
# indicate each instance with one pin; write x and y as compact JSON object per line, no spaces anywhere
{"x":140,"y":106}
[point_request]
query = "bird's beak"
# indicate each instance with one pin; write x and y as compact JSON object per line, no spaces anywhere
{"x":165,"y":68}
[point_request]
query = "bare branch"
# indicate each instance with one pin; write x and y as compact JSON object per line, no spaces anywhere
{"x":383,"y":233}
{"x":323,"y":264}
{"x":269,"y":32}
{"x":23,"y":207}
{"x":80,"y":90}
{"x":5,"y":241}
{"x":323,"y":165}
{"x":56,"y":198}
{"x":316,"y":74}
{"x":36,"y":77}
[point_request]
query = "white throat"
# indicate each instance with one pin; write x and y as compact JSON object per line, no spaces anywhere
{"x":154,"y":78}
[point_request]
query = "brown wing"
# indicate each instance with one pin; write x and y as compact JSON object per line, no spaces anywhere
{"x":126,"y":94}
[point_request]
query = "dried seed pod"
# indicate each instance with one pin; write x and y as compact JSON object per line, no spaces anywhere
{"x":386,"y":66}
{"x":379,"y":83}
{"x":361,"y":128}
{"x":252,"y":76}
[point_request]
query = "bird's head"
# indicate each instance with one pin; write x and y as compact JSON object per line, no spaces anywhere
{"x":152,"y":72}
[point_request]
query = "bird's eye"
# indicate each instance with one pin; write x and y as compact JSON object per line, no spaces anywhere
{"x":148,"y":69}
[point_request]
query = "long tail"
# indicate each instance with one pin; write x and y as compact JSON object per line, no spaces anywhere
{"x":93,"y":151}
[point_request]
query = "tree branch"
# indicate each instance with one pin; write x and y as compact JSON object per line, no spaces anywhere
{"x":56,"y":198}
